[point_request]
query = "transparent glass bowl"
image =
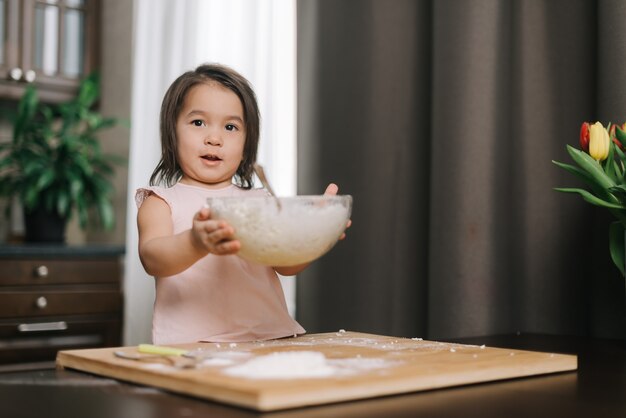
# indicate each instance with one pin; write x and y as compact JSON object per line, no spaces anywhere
{"x":284,"y":231}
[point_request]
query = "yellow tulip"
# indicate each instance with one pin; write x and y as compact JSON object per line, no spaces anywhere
{"x":598,"y":142}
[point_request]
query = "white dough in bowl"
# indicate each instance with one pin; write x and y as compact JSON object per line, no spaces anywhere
{"x":298,"y":231}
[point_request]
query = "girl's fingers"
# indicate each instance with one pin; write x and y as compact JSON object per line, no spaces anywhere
{"x":211,"y":227}
{"x":203,"y":214}
{"x":227,"y":247}
{"x":347,"y":226}
{"x":332,"y":189}
{"x":219,"y":238}
{"x":220,"y":234}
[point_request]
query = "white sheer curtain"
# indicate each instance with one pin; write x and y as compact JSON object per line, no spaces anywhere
{"x":258,"y":39}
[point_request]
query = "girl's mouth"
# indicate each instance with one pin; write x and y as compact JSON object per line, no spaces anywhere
{"x":211,"y":157}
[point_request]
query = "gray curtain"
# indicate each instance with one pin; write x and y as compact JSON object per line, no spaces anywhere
{"x":441,"y":118}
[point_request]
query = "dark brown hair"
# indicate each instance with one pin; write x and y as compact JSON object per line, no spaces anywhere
{"x":168,"y":170}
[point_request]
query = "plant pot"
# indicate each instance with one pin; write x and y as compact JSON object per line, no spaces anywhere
{"x":42,"y":225}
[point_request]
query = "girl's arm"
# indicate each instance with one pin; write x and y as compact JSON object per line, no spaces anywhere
{"x":164,"y":253}
{"x":291,"y":270}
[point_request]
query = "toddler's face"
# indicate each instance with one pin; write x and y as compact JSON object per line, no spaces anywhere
{"x":211,"y":136}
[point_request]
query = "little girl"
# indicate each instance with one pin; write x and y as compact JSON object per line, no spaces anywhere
{"x":204,"y":292}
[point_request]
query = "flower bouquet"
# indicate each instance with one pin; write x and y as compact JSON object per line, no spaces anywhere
{"x":601,"y":164}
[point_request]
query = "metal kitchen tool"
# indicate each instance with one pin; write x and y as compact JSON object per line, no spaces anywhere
{"x":178,"y":358}
{"x":161,"y":350}
{"x":258,"y":169}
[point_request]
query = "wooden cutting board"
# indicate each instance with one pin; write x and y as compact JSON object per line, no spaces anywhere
{"x":356,"y":366}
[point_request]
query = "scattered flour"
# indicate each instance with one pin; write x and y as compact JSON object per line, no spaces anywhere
{"x":284,"y":365}
{"x":217,"y":362}
{"x":359,"y":363}
{"x":157,"y":366}
{"x":344,"y":338}
{"x":304,"y":365}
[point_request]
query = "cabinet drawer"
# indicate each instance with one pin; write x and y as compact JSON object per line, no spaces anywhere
{"x":25,"y":304}
{"x":23,"y":342}
{"x":65,"y":271}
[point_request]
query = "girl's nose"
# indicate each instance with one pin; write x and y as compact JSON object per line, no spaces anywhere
{"x":213,"y":139}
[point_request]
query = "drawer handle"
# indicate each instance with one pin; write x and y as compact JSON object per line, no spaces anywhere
{"x":43,"y":326}
{"x":30,"y":76}
{"x":42,"y":271}
{"x":41,"y":302}
{"x":16,"y":73}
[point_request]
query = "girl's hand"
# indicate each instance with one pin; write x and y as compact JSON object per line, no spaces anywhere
{"x":216,"y":237}
{"x":331,"y":190}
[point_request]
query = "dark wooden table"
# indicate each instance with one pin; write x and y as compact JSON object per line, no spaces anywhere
{"x":597,"y":389}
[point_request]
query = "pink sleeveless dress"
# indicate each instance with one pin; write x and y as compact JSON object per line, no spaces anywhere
{"x":219,"y":298}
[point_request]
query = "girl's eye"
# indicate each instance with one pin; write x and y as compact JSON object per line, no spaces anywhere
{"x":197,"y":122}
{"x":231,"y":127}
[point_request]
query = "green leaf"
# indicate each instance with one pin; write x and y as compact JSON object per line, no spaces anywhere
{"x":608,"y":163}
{"x":31,"y":198}
{"x":46,"y":177}
{"x":598,"y":191}
{"x":616,"y":244}
{"x":591,"y":166}
{"x":26,"y":111}
{"x":107,"y":215}
{"x":594,"y":200}
{"x":619,"y":189}
{"x":76,"y":186}
{"x":617,"y":167}
{"x":89,"y":90}
{"x":63,"y":204}
{"x":619,"y":160}
{"x":583,"y":175}
{"x":619,"y":192}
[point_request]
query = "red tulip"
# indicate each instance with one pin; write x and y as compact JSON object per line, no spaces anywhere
{"x":584,"y":136}
{"x":614,"y":138}
{"x":619,"y":131}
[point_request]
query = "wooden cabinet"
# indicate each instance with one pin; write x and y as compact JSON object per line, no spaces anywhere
{"x":51,"y":43}
{"x":55,"y":298}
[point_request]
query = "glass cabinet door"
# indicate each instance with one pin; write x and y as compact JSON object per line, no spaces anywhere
{"x":46,"y":45}
{"x":59,"y":33}
{"x":73,"y":40}
{"x":52,"y":43}
{"x":9,"y":32}
{"x":3,"y":29}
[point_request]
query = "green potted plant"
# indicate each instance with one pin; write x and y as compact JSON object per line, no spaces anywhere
{"x":601,"y":165}
{"x":55,"y":166}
